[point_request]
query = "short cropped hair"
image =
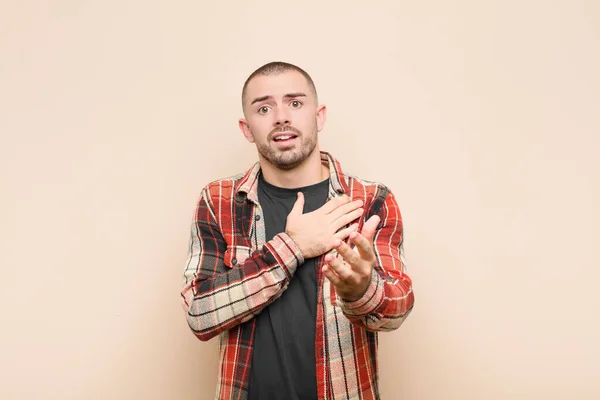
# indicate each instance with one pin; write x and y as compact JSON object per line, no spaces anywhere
{"x":278,"y":67}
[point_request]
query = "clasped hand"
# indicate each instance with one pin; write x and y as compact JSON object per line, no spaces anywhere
{"x":319,"y":231}
{"x":350,"y":272}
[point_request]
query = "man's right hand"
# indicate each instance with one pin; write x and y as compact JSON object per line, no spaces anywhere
{"x":314,"y":232}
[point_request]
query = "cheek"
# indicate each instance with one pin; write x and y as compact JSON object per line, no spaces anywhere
{"x":306,"y":122}
{"x":260,"y":130}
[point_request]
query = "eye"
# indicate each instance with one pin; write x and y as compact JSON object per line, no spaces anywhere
{"x":296,"y":103}
{"x":264,"y":109}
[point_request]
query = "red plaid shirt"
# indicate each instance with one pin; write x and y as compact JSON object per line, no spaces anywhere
{"x":232,"y":273}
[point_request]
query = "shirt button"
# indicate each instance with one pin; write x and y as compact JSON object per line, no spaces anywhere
{"x":257,"y":217}
{"x":234,"y":261}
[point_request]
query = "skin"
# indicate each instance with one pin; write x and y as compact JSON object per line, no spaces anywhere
{"x":350,"y":274}
{"x":285,"y":103}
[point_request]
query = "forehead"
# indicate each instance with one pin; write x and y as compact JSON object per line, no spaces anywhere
{"x":278,"y":85}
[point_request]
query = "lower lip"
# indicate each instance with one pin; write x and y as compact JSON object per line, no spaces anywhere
{"x":284,"y":142}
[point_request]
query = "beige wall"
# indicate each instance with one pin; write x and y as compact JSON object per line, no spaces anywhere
{"x":483,"y":117}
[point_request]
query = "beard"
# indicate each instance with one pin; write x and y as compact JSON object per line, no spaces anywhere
{"x":289,"y":158}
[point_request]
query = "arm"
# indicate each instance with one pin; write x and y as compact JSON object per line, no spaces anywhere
{"x":217,"y":298}
{"x":389,"y":297}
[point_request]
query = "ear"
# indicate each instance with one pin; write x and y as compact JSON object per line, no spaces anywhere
{"x":246,"y":130}
{"x":321,"y":117}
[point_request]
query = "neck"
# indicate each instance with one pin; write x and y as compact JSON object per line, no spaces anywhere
{"x":310,"y":172}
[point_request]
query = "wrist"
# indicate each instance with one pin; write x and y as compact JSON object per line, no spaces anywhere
{"x":298,"y":243}
{"x":357,"y":294}
{"x":290,"y":244}
{"x":369,"y":301}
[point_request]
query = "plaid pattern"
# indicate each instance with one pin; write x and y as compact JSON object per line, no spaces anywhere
{"x":232,"y":273}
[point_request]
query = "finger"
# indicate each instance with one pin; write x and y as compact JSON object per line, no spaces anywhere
{"x":343,"y":270}
{"x":345,"y":209}
{"x":350,"y":256}
{"x":347,"y":218}
{"x":331,"y":275}
{"x":298,"y":207}
{"x":335,"y":203}
{"x":344,"y":233}
{"x":369,"y":228}
{"x":363,"y":245}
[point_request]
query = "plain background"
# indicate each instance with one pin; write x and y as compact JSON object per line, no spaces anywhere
{"x":481,"y":116}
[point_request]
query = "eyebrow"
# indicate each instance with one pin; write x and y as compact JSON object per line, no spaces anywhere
{"x":287,"y":96}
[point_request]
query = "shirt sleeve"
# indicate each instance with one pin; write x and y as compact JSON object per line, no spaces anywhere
{"x":389,"y":297}
{"x":216,"y":297}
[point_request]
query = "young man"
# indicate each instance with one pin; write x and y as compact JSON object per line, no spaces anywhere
{"x":295,"y":265}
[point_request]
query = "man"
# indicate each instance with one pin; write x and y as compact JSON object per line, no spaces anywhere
{"x":294,"y":265}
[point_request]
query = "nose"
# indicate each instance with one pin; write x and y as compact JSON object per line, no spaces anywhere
{"x":282,"y":118}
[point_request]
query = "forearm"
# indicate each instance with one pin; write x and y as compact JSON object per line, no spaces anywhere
{"x":219,"y":301}
{"x":389,"y":296}
{"x":385,"y":304}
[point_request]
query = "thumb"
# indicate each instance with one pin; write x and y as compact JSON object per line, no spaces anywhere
{"x":298,"y":207}
{"x":369,"y":228}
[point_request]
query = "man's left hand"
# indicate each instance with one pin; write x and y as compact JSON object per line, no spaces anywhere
{"x":350,"y":274}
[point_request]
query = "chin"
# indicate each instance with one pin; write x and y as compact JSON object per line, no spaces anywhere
{"x":289,"y":164}
{"x":286,"y":160}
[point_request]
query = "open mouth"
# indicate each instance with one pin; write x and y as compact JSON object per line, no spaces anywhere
{"x":284,"y":137}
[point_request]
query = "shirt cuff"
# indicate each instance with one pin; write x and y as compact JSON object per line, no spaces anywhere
{"x":287,"y":252}
{"x":369,"y":302}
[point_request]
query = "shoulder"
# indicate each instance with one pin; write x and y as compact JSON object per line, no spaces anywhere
{"x":366,"y":189}
{"x":377,"y":196}
{"x":221,"y":190}
{"x":224,"y":185}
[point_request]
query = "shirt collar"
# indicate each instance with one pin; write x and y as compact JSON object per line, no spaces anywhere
{"x":337,"y":182}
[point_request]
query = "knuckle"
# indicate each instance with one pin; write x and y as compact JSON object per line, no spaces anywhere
{"x":366,"y":272}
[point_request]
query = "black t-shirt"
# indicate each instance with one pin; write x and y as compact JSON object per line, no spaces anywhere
{"x":283,"y":360}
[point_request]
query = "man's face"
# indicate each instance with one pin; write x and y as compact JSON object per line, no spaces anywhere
{"x":282,"y":118}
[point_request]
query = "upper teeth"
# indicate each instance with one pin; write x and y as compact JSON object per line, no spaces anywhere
{"x":282,"y":137}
